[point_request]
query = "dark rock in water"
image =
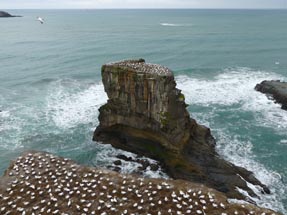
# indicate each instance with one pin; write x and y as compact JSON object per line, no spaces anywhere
{"x":4,"y":14}
{"x":123,"y":157}
{"x":114,"y":168}
{"x":144,"y":164}
{"x":117,"y":169}
{"x":41,"y":183}
{"x":275,"y":89}
{"x":118,"y":162}
{"x":154,"y":167}
{"x":146,"y":114}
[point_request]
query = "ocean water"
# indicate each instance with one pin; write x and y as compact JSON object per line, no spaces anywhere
{"x":50,"y":83}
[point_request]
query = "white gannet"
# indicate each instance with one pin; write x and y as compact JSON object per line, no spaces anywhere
{"x":40,"y":19}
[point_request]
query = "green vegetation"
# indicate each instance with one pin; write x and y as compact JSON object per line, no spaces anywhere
{"x":105,"y":108}
{"x":181,"y":97}
{"x":155,"y":150}
{"x":165,"y":118}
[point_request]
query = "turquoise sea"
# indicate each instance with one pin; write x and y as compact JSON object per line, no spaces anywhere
{"x":50,"y":83}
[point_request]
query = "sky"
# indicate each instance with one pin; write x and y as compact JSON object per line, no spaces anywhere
{"x":94,"y":4}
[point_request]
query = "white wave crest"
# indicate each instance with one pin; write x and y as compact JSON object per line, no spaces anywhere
{"x":70,"y":108}
{"x":171,"y":24}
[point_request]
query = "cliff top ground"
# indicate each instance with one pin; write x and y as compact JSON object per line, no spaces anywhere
{"x":41,"y":183}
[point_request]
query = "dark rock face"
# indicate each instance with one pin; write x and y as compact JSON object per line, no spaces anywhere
{"x":4,"y":14}
{"x":277,"y":90}
{"x":146,"y":114}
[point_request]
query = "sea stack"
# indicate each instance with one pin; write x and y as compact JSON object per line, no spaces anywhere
{"x":146,"y":114}
{"x":275,"y":89}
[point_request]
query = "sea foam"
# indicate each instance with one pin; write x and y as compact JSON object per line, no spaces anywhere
{"x":68,"y":108}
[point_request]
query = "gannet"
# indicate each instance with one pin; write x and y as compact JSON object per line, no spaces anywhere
{"x":41,"y":20}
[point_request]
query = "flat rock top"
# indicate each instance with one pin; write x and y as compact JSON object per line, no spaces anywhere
{"x":141,"y":66}
{"x":41,"y":183}
{"x":279,"y":86}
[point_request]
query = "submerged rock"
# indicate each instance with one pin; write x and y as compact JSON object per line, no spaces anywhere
{"x":41,"y":183}
{"x":275,"y":89}
{"x":146,"y":114}
{"x":4,"y":14}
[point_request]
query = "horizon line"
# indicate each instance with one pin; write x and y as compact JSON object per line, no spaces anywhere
{"x":144,"y":8}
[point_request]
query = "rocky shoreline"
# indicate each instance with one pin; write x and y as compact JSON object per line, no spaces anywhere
{"x":276,"y":90}
{"x":41,"y":183}
{"x":146,"y":114}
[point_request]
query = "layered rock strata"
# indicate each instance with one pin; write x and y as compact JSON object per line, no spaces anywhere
{"x":276,"y":90}
{"x":146,"y":114}
{"x":41,"y":183}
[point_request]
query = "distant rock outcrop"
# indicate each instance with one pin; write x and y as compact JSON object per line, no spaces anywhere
{"x":41,"y":183}
{"x":146,"y":114}
{"x":4,"y":14}
{"x":276,"y":89}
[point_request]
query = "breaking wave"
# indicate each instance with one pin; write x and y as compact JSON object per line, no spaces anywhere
{"x":68,"y":108}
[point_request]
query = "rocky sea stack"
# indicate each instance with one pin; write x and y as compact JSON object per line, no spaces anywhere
{"x":275,"y":89}
{"x":146,"y":114}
